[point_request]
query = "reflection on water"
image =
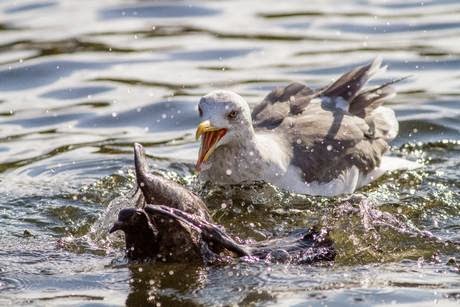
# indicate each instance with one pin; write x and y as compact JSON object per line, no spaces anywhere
{"x":80,"y":81}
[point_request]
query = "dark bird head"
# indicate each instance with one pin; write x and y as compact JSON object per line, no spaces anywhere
{"x":140,"y":234}
{"x":131,"y":220}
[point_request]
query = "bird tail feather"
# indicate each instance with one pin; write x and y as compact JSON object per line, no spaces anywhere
{"x":349,"y":84}
{"x":349,"y":87}
{"x":367,"y":101}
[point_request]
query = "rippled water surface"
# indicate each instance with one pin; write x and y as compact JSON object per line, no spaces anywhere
{"x":80,"y":81}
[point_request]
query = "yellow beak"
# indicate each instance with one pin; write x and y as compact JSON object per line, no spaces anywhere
{"x":211,"y":136}
{"x":204,"y":127}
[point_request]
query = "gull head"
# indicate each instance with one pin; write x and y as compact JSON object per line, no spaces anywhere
{"x":225,"y":119}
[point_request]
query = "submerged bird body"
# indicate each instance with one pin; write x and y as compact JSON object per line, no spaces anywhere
{"x":326,"y":142}
{"x":172,"y":224}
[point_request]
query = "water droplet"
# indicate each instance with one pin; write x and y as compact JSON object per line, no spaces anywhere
{"x":228,"y":172}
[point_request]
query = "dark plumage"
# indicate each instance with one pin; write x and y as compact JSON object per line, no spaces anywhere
{"x":173,"y":224}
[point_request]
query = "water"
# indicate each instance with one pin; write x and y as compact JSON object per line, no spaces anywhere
{"x":80,"y":81}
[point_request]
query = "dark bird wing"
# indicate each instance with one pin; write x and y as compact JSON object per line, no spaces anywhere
{"x":161,"y":191}
{"x":177,"y":241}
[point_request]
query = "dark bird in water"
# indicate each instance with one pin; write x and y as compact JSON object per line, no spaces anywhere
{"x":326,"y":142}
{"x":172,"y":224}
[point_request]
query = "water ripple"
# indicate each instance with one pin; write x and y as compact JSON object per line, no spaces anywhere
{"x":81,"y":81}
{"x":158,"y":11}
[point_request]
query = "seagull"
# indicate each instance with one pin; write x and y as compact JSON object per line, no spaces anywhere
{"x":323,"y":142}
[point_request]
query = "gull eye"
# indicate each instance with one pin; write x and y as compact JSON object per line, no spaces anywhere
{"x":200,"y":112}
{"x":232,"y":115}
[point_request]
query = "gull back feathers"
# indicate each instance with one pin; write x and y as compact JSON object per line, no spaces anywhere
{"x":334,"y":128}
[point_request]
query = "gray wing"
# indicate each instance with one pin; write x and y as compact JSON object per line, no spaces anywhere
{"x":325,"y":144}
{"x":326,"y":139}
{"x":271,"y":112}
{"x":293,"y":99}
